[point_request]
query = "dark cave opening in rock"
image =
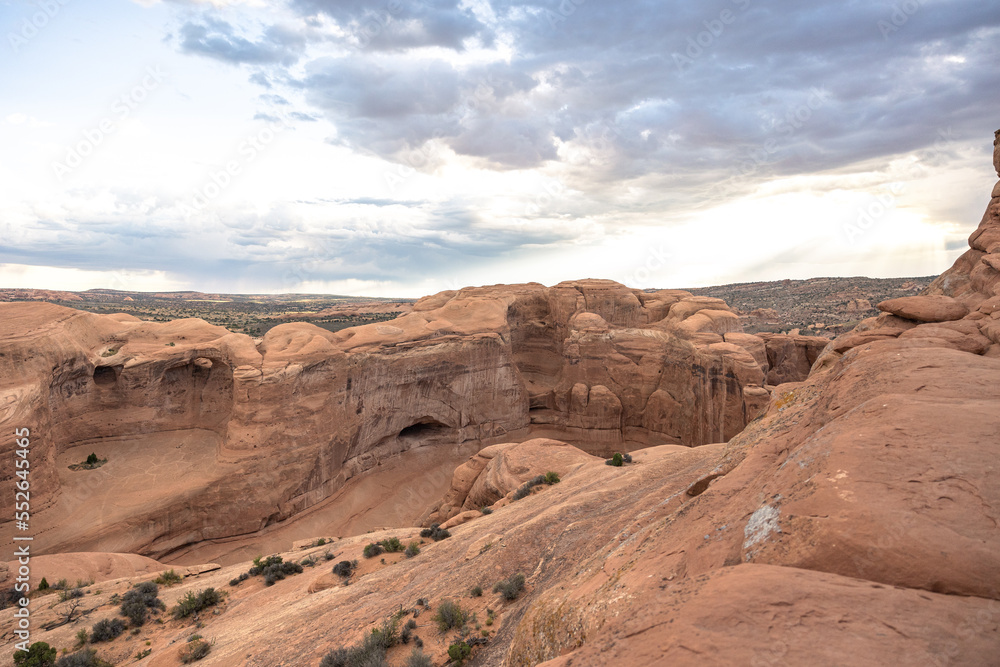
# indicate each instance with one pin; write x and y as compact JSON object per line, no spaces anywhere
{"x":105,"y":376}
{"x":426,"y":428}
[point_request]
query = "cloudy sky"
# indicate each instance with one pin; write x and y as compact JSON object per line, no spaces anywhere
{"x":403,"y":147}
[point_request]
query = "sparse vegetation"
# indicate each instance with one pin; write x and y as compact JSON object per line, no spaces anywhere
{"x":486,"y":510}
{"x":106,"y":630}
{"x":168,"y":578}
{"x":272,"y":568}
{"x":511,"y":587}
{"x":412,"y":550}
{"x":137,"y":603}
{"x":389,"y":545}
{"x":450,"y":615}
{"x":194,"y":650}
{"x":38,"y":654}
{"x":476,"y":592}
{"x":43,"y":585}
{"x":435,"y":532}
{"x":459,"y":651}
{"x":525,"y":490}
{"x":85,"y":658}
{"x":193,"y":602}
{"x":369,"y":653}
{"x":418,"y":659}
{"x":70,"y":594}
{"x":616,"y":460}
{"x":344,"y":568}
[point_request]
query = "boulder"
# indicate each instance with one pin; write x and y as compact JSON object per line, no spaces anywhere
{"x":926,"y":308}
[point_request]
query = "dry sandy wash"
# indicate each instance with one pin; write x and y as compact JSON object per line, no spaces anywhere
{"x":789,"y":501}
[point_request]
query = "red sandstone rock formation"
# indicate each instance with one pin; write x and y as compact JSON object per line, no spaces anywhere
{"x":282,"y":426}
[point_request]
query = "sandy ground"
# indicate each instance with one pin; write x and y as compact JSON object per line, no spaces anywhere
{"x":390,"y":496}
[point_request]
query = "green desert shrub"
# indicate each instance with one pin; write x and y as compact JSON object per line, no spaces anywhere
{"x":43,"y":585}
{"x":449,"y":615}
{"x":511,"y":587}
{"x":278,"y":571}
{"x":106,"y":630}
{"x":168,"y":578}
{"x":372,"y":550}
{"x":85,"y":658}
{"x":476,"y":592}
{"x":260,"y":564}
{"x":194,"y":650}
{"x":418,"y":659}
{"x":459,"y":651}
{"x":38,"y":654}
{"x":413,"y":550}
{"x":551,"y":478}
{"x":392,"y":545}
{"x":344,"y":568}
{"x":193,"y":602}
{"x":615,"y":460}
{"x":137,"y":602}
{"x":369,"y":653}
{"x":435,"y":532}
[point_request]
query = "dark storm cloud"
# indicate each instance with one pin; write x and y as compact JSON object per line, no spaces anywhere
{"x":733,"y":89}
{"x":718,"y":91}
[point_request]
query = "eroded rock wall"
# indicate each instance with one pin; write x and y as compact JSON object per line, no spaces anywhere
{"x":291,"y":419}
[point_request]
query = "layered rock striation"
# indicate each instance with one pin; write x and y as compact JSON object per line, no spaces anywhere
{"x":209,"y":436}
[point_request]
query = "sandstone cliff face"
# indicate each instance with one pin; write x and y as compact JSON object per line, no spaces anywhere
{"x":281,"y":426}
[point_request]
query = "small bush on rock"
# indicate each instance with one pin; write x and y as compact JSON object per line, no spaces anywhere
{"x":435,"y":532}
{"x":194,"y":650}
{"x":459,"y":652}
{"x":449,"y":615}
{"x":511,"y":587}
{"x":137,"y":602}
{"x":193,"y":602}
{"x":344,"y":568}
{"x":106,"y":630}
{"x":418,"y":659}
{"x":38,"y":654}
{"x":85,"y":658}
